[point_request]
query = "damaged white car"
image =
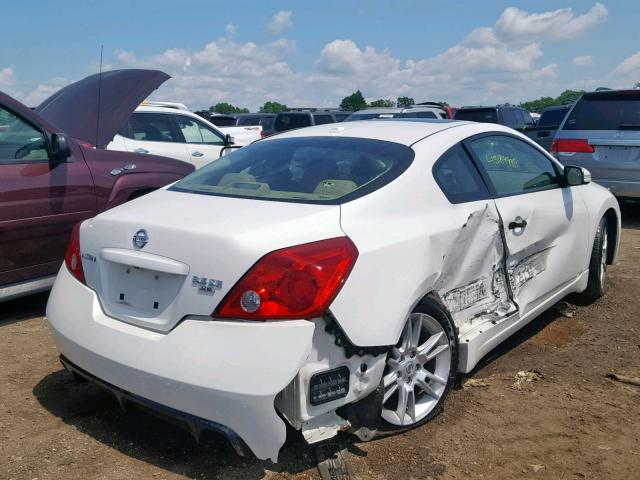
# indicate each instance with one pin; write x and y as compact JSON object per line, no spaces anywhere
{"x":334,"y":277}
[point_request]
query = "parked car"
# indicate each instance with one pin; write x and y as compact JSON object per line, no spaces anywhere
{"x":303,"y":117}
{"x":393,"y":112}
{"x":545,"y":129}
{"x":345,"y":279}
{"x":265,"y":120}
{"x":513,"y":117}
{"x":177,"y":133}
{"x":52,"y":178}
{"x":218,"y":119}
{"x":602,"y":133}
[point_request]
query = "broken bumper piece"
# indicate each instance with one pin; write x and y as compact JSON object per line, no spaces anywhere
{"x":220,"y":374}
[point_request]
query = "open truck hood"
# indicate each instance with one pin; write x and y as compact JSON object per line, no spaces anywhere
{"x":93,"y":109}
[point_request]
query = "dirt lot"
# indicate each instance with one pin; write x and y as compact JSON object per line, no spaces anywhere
{"x":571,"y":422}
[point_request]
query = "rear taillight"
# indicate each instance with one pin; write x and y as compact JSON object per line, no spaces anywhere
{"x":571,"y":145}
{"x":291,"y":283}
{"x":72,"y":258}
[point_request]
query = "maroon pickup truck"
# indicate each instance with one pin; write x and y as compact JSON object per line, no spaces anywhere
{"x":54,"y":171}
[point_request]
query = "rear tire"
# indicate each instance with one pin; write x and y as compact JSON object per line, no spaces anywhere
{"x":597,"y":265}
{"x":421,"y":369}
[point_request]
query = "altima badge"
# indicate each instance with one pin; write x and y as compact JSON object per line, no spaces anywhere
{"x":206,"y":286}
{"x":140,"y":239}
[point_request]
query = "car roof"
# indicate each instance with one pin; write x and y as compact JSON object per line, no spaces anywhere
{"x":402,"y":131}
{"x":257,"y":114}
{"x":175,"y":111}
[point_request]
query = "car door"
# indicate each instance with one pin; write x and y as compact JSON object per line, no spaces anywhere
{"x":40,"y":200}
{"x":153,"y":133}
{"x":202,"y":142}
{"x":472,"y":280}
{"x":545,"y":224}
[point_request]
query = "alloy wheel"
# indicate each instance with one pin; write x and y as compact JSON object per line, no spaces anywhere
{"x":417,"y":371}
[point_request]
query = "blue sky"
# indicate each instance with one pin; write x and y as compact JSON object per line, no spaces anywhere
{"x":314,"y":53}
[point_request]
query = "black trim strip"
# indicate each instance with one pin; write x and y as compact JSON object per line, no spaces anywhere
{"x":195,"y":425}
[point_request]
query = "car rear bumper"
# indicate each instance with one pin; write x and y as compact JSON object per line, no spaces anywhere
{"x":621,"y":188}
{"x":217,"y":374}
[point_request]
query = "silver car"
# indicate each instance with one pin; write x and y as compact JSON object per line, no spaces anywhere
{"x":602,"y":133}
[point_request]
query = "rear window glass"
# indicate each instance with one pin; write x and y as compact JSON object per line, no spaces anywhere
{"x":303,"y":169}
{"x":223,"y":121}
{"x":289,"y":121}
{"x":248,"y":121}
{"x":605,"y":112}
{"x":552,"y":117}
{"x":485,"y":115}
{"x":322,"y":119}
{"x":419,"y":115}
{"x":369,"y":116}
{"x":267,"y":122}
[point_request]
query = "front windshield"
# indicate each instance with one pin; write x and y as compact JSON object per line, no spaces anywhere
{"x":302,"y":169}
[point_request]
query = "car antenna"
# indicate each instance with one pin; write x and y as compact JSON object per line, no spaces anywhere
{"x":99,"y":94}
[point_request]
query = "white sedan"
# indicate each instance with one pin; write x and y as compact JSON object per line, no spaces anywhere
{"x":336,"y":277}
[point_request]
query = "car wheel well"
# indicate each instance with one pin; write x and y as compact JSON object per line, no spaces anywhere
{"x":612,"y":232}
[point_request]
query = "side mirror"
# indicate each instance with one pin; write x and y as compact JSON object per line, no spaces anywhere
{"x":228,"y":149}
{"x":576,"y":176}
{"x":59,"y":149}
{"x":229,"y":140}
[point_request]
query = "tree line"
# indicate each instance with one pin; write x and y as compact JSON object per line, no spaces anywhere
{"x":356,"y":101}
{"x":352,"y":102}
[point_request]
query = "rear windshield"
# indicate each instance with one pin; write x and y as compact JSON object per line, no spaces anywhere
{"x":324,"y":170}
{"x":369,"y":116}
{"x":606,"y":111}
{"x":247,"y":121}
{"x":223,"y":121}
{"x":288,"y":121}
{"x":552,"y":117}
{"x":426,"y":114}
{"x":267,"y":122}
{"x":484,"y":115}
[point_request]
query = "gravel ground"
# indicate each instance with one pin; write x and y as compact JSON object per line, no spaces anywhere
{"x":564,"y":419}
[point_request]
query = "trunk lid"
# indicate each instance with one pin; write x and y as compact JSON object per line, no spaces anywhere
{"x":197,"y":248}
{"x":94,"y":108}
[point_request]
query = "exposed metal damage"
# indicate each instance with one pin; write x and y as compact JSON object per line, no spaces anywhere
{"x":476,"y":253}
{"x":526,"y":269}
{"x":479,"y":248}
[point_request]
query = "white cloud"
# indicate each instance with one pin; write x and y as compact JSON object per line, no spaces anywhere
{"x":516,"y":24}
{"x":504,"y":62}
{"x":43,"y":91}
{"x":280,"y":22}
{"x":7,"y":78}
{"x":230,"y":28}
{"x":630,"y":65}
{"x":583,"y":61}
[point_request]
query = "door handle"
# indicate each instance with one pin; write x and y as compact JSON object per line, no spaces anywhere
{"x":141,"y":150}
{"x":198,"y":154}
{"x":519,"y":222}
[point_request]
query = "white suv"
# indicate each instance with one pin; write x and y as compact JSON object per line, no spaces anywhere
{"x":171,"y":131}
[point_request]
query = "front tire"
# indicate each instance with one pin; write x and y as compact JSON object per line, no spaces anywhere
{"x":421,"y":369}
{"x":597,"y":265}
